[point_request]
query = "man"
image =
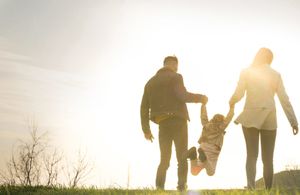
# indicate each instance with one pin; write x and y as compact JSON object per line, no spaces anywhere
{"x":164,"y":103}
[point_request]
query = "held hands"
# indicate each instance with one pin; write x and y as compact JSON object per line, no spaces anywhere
{"x":295,"y":130}
{"x":204,"y":99}
{"x":149,"y":136}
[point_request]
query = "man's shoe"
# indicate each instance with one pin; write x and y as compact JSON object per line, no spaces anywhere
{"x":190,"y":154}
{"x":182,"y":188}
{"x":202,"y":156}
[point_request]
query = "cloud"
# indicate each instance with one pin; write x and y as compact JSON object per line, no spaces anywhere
{"x":25,"y":88}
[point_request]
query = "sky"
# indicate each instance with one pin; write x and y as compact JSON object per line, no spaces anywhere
{"x":78,"y":68}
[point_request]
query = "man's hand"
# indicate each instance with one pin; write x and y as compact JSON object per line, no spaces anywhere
{"x":295,"y":130}
{"x":149,"y":136}
{"x":204,"y":99}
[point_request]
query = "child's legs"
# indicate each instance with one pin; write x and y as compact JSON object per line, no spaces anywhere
{"x":196,"y":166}
{"x":211,"y":167}
{"x":212,"y":154}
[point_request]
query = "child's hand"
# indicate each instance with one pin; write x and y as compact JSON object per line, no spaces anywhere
{"x":231,"y":110}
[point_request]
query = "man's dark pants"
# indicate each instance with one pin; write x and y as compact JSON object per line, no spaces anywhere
{"x":172,"y":130}
{"x":267,"y":138}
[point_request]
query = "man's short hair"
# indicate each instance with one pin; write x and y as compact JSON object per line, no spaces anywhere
{"x":169,"y":59}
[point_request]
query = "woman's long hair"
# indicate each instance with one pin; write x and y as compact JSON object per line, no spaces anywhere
{"x":263,"y":56}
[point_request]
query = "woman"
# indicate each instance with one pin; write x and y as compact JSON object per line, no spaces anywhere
{"x":261,"y":83}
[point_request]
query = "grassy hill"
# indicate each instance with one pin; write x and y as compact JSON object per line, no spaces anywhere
{"x":283,"y":180}
{"x":40,"y":190}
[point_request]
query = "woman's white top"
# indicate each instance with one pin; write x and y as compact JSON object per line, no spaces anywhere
{"x":261,"y":84}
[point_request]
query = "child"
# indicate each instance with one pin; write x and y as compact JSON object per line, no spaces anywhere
{"x":211,"y":142}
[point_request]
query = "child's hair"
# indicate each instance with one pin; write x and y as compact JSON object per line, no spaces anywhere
{"x":218,"y":118}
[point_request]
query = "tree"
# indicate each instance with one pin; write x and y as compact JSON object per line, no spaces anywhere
{"x":291,"y":167}
{"x":79,"y":171}
{"x":34,"y":162}
{"x":24,"y":167}
{"x":52,"y":165}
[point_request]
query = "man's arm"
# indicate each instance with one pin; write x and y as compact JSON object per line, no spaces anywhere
{"x":184,"y":95}
{"x":145,"y":112}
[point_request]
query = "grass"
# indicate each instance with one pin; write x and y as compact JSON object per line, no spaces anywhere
{"x":40,"y":190}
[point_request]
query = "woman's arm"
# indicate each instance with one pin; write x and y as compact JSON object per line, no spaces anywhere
{"x":286,"y":105}
{"x":240,"y":89}
{"x":229,"y":116}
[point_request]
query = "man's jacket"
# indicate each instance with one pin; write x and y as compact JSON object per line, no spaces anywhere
{"x":165,"y":96}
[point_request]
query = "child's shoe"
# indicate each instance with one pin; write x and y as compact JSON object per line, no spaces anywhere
{"x":196,"y":167}
{"x":190,"y":154}
{"x":202,"y":155}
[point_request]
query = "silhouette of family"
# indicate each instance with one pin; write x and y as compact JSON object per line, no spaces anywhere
{"x":164,"y":103}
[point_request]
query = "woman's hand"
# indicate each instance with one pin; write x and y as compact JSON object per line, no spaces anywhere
{"x":295,"y":130}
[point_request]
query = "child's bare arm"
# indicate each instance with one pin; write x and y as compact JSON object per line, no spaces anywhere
{"x":204,"y":118}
